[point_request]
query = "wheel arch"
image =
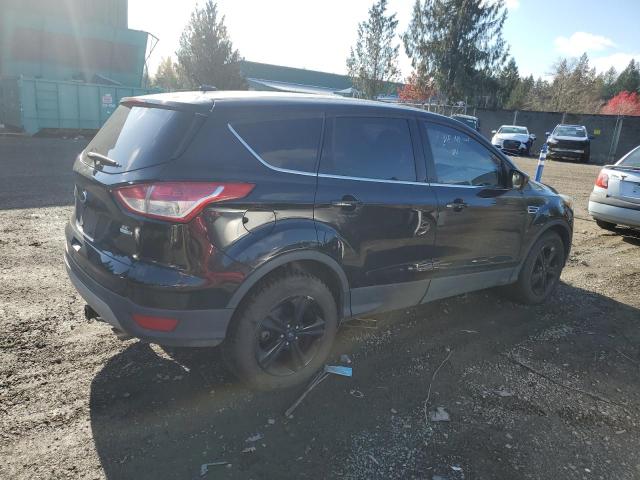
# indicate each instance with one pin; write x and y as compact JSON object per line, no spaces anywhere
{"x":313,"y":262}
{"x":557,"y":226}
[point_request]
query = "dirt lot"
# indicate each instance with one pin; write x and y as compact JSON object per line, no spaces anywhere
{"x":532,"y":392}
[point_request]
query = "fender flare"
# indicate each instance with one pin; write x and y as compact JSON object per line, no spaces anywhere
{"x":280,"y":260}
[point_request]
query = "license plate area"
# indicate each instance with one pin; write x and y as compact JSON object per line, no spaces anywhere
{"x":630,"y":190}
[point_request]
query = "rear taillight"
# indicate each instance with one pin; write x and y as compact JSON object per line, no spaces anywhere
{"x":177,"y":201}
{"x":603,"y":180}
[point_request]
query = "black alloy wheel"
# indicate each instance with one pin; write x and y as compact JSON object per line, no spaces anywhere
{"x":546,"y":270}
{"x":287,"y":338}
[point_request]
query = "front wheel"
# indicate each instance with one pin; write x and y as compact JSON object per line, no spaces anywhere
{"x":541,"y":270}
{"x":283,"y":332}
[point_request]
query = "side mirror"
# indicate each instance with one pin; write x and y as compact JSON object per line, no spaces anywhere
{"x":533,"y":136}
{"x":494,"y":131}
{"x":547,"y":134}
{"x":592,"y":137}
{"x":519,"y":180}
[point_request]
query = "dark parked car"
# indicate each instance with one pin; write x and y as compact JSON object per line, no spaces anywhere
{"x":569,"y":141}
{"x":470,"y":121}
{"x":261,"y":221}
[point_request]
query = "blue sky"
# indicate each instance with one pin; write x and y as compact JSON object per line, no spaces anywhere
{"x":317,"y":35}
{"x":541,"y":31}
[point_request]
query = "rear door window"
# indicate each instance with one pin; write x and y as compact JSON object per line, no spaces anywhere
{"x":461,"y":160}
{"x":290,"y":143}
{"x":138,"y":137}
{"x":364,"y":147}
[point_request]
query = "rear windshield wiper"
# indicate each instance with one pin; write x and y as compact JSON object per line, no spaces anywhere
{"x":102,"y":159}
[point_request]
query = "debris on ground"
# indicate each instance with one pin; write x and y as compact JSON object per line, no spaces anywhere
{"x":344,"y":358}
{"x":503,"y":392}
{"x":440,"y":415}
{"x":254,"y":438}
{"x":320,"y":377}
{"x":271,"y":421}
{"x":204,"y":468}
{"x":356,"y":393}
{"x":249,"y":450}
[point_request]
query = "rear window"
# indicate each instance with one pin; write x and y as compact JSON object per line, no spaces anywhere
{"x":632,"y":159}
{"x":377,"y":148}
{"x":138,"y":137}
{"x":290,"y":143}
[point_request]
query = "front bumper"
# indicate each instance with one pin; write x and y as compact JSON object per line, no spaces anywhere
{"x":561,"y":152}
{"x":614,"y":214}
{"x":196,"y":328}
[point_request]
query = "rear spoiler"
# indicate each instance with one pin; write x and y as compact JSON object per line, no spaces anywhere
{"x":152,"y":101}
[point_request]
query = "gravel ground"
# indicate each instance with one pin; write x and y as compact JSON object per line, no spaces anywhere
{"x":531,"y":392}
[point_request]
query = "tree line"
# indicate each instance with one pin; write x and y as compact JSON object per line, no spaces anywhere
{"x":457,"y":52}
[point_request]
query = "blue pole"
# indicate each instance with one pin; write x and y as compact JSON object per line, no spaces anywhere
{"x":543,"y":157}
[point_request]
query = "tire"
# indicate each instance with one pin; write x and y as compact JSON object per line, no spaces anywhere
{"x":606,"y":225}
{"x":529,"y":289}
{"x":264,"y":349}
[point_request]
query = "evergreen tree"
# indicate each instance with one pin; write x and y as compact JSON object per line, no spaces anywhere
{"x":609,"y":83}
{"x":508,"y":79}
{"x":629,"y":78}
{"x":166,"y":76}
{"x":455,"y":42}
{"x":373,"y":63}
{"x":206,"y":54}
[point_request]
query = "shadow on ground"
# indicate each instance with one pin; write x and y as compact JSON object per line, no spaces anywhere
{"x":162,"y":413}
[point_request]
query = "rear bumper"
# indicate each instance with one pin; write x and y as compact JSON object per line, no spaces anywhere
{"x":614,"y":214}
{"x":196,"y":328}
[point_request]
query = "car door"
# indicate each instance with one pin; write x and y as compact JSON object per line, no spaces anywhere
{"x":480,"y":217}
{"x":372,"y":213}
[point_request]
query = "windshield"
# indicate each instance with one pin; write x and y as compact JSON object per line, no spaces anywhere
{"x":632,"y":159}
{"x":522,"y":130}
{"x":578,"y":132}
{"x":472,"y":122}
{"x":138,"y":137}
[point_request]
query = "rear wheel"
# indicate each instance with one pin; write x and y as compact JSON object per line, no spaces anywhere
{"x":283,"y":333}
{"x":541,"y":271}
{"x":606,"y":225}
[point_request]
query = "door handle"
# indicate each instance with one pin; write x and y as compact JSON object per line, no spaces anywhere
{"x":348,"y":202}
{"x":457,"y":205}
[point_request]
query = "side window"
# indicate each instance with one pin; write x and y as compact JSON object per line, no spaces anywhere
{"x":460,"y":160}
{"x":367,"y":147}
{"x":290,"y":143}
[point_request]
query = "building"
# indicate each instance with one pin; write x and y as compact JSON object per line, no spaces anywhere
{"x":266,"y":77}
{"x":66,"y":63}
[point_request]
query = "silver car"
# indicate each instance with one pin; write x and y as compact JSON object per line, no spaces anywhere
{"x":615,"y":199}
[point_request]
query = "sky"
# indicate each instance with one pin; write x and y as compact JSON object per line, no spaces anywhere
{"x":317,"y":35}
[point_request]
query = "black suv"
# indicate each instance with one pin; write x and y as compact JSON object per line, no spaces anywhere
{"x":261,"y":221}
{"x":569,"y":141}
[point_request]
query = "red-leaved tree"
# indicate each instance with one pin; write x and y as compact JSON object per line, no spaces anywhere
{"x":625,"y":103}
{"x":416,"y":90}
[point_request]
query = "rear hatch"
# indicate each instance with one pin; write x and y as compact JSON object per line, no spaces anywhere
{"x":134,"y":144}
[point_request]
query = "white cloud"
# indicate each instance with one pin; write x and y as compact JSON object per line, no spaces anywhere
{"x":617,"y":60}
{"x":581,"y":42}
{"x":512,"y":4}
